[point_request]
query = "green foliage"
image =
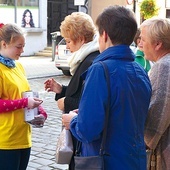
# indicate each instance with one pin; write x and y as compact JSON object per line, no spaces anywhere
{"x":148,"y":8}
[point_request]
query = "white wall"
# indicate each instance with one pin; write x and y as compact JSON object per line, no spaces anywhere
{"x":162,"y":10}
{"x":36,"y":38}
{"x":160,"y":5}
{"x":97,"y":6}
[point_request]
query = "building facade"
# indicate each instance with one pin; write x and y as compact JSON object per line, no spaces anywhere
{"x":47,"y":16}
{"x":14,"y":11}
{"x":134,"y":5}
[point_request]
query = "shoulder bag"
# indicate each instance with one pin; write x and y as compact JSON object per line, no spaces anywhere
{"x":95,"y":162}
{"x":151,"y":159}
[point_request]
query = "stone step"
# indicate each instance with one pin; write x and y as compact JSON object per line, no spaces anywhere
{"x":48,"y":48}
{"x":43,"y":54}
{"x":47,"y":52}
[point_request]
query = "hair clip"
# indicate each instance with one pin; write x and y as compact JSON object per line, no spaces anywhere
{"x":1,"y":25}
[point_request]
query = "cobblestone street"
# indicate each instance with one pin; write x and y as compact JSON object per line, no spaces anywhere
{"x":44,"y":139}
{"x":38,"y":69}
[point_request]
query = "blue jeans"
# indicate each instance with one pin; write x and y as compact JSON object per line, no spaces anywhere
{"x":16,"y":159}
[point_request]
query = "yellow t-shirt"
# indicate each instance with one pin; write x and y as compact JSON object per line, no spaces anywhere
{"x":14,"y":132}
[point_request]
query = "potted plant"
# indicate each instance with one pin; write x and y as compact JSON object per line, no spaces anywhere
{"x":148,"y":9}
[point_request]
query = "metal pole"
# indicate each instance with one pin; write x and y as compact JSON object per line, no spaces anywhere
{"x":15,"y":11}
{"x":134,"y":6}
{"x":54,"y":38}
{"x":79,"y":8}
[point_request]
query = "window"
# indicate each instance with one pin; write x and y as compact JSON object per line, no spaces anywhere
{"x":167,"y":4}
{"x":24,"y":13}
{"x":168,"y":13}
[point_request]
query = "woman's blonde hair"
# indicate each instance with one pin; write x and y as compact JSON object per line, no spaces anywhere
{"x":78,"y":25}
{"x":10,"y":33}
{"x":158,"y":29}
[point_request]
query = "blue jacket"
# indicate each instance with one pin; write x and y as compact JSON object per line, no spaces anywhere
{"x":130,"y":97}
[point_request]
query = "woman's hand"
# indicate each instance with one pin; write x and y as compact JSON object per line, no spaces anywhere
{"x":66,"y":118}
{"x":33,"y":102}
{"x":60,"y":103}
{"x":52,"y":85}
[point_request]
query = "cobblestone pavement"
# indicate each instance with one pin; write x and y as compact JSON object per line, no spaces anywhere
{"x":37,"y":66}
{"x":44,"y":139}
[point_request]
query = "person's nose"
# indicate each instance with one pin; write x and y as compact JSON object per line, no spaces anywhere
{"x":22,"y":50}
{"x":67,"y":46}
{"x":140,"y":43}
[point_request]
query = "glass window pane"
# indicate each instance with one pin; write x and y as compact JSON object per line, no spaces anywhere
{"x":167,"y":4}
{"x":168,"y":13}
{"x":7,"y":11}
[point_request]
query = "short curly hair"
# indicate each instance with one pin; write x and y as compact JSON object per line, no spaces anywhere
{"x":78,"y":25}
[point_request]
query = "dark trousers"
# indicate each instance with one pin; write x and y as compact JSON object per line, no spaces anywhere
{"x":16,"y":159}
{"x":72,"y":165}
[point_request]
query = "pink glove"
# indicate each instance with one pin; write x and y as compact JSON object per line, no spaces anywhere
{"x":39,"y":120}
{"x":42,"y":111}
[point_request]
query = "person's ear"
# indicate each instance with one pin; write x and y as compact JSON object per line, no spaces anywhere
{"x":105,"y":36}
{"x":82,"y":40}
{"x":3,"y":44}
{"x":158,"y":45}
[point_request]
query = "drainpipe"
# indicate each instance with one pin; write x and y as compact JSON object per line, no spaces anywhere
{"x":134,"y":6}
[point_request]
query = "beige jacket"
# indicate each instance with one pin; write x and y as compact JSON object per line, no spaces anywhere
{"x":157,"y":129}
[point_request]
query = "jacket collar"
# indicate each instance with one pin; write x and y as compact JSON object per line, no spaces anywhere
{"x":118,"y":52}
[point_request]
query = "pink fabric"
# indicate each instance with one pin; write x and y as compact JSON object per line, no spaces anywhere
{"x":42,"y":111}
{"x":11,"y":105}
{"x":1,"y":25}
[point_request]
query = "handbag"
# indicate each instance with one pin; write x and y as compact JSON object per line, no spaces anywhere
{"x":64,"y":149}
{"x":89,"y":163}
{"x":95,"y":162}
{"x":151,"y":159}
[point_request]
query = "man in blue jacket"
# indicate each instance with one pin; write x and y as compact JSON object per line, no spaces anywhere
{"x":130,"y":96}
